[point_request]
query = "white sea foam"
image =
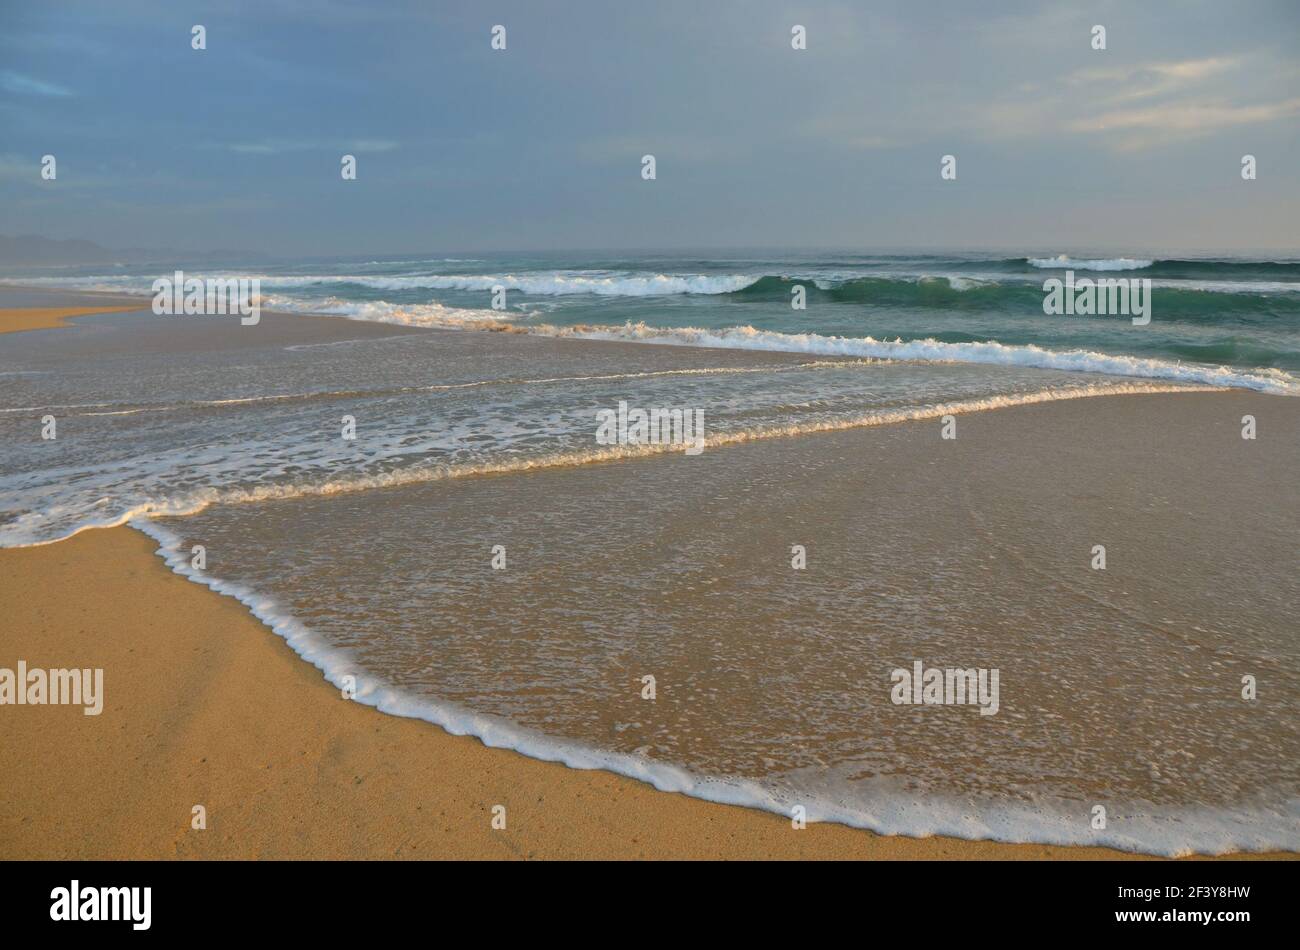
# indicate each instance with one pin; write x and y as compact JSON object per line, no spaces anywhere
{"x":1230,"y":286}
{"x":34,"y":528}
{"x":427,"y":260}
{"x":416,"y":315}
{"x":1063,"y":262}
{"x":929,"y":350}
{"x":934,"y":351}
{"x":558,"y":283}
{"x":572,"y":283}
{"x":958,"y":282}
{"x":1146,"y":829}
{"x":544,"y":283}
{"x":114,"y":409}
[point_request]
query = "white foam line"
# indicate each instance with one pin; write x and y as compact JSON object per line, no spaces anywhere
{"x":934,"y":351}
{"x":568,"y":283}
{"x":371,"y":339}
{"x":1112,"y":263}
{"x":86,"y":405}
{"x":199,"y":501}
{"x":1174,"y":833}
{"x":928,"y":350}
{"x":553,"y":284}
{"x":445,"y":387}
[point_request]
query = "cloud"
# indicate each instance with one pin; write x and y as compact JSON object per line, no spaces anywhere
{"x":373,"y":145}
{"x":610,"y":149}
{"x":1180,"y":99}
{"x":281,"y":146}
{"x":851,"y":135}
{"x":27,"y":86}
{"x":1157,"y":79}
{"x":1123,"y":107}
{"x":1184,"y":118}
{"x":872,"y":142}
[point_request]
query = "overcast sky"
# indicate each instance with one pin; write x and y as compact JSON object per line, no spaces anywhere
{"x":460,"y":147}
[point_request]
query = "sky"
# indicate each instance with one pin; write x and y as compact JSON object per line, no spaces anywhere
{"x":1058,"y":145}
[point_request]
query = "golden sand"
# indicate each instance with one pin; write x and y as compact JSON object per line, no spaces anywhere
{"x":205,"y":706}
{"x":16,"y":320}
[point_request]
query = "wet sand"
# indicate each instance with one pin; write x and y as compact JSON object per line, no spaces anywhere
{"x":38,"y":308}
{"x":1119,"y":687}
{"x":204,"y":706}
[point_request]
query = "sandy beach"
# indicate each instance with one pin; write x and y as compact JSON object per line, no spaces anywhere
{"x":16,"y":319}
{"x":205,"y":706}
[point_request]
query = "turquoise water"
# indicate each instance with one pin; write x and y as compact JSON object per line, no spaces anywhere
{"x":1213,"y":320}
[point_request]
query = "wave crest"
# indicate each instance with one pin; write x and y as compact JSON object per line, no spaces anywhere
{"x":1062,"y":262}
{"x":924,"y":351}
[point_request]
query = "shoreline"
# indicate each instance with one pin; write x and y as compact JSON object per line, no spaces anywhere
{"x":221,"y":715}
{"x":1075,"y":362}
{"x":26,"y":319}
{"x":205,"y":706}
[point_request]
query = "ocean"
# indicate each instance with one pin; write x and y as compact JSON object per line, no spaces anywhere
{"x":1215,"y":320}
{"x":372,"y":555}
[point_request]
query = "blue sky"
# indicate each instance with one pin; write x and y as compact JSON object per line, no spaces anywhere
{"x":461,"y":147}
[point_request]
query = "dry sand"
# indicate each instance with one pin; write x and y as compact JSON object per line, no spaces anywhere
{"x":16,"y":320}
